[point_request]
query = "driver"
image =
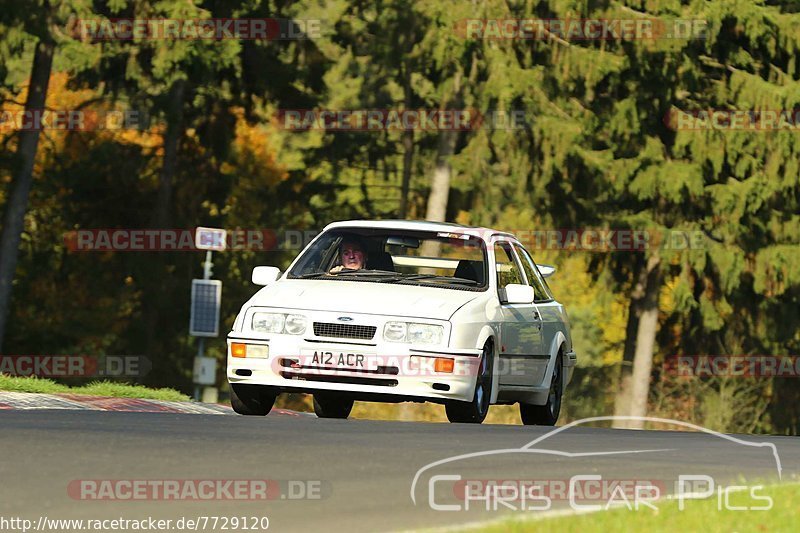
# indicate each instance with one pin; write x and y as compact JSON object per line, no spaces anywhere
{"x":351,"y":256}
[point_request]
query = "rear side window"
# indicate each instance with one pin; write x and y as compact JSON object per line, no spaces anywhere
{"x":506,"y":267}
{"x":535,"y":279}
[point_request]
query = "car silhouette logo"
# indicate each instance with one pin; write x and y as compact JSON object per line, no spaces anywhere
{"x":344,"y":319}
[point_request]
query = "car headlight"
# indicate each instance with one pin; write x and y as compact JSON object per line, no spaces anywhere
{"x":268,"y":322}
{"x":278,"y":323}
{"x":425,"y":334}
{"x":295,"y":324}
{"x":413,"y":333}
{"x":395,"y":331}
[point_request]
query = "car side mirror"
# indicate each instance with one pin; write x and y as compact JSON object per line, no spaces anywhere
{"x":546,"y":270}
{"x":265,"y":275}
{"x":519,"y":294}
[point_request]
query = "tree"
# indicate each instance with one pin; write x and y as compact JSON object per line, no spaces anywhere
{"x":42,"y":22}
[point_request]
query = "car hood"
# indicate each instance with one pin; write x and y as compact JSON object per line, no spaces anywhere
{"x":363,"y":297}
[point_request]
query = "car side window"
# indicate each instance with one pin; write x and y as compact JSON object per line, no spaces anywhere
{"x":505,"y":265}
{"x":535,"y":279}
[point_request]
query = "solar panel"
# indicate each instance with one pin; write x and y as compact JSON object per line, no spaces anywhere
{"x":204,"y":319}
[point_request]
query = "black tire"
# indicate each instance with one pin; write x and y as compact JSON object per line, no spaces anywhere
{"x":252,"y":400}
{"x":547,"y":414}
{"x":475,"y":412}
{"x":332,"y":406}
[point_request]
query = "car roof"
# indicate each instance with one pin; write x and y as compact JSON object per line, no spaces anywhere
{"x":419,"y":225}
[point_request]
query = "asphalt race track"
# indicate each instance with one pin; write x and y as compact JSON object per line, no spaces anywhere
{"x":361,"y":471}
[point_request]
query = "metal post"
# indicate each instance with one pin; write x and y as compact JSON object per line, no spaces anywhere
{"x":201,"y":344}
{"x":207,"y":266}
{"x":201,"y":348}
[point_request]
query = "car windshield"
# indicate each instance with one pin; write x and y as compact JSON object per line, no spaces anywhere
{"x":443,"y":259}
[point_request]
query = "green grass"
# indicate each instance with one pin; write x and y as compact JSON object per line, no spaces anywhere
{"x":95,"y":388}
{"x":698,"y":515}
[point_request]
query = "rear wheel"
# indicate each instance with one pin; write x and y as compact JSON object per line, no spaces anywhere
{"x":252,"y":400}
{"x":475,"y":412}
{"x":547,"y":414}
{"x":332,"y":406}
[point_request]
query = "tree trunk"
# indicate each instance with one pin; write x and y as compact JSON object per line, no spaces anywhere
{"x":162,"y":214}
{"x":408,"y":148}
{"x":440,"y":190}
{"x":440,"y":184}
{"x":408,"y":160}
{"x":622,"y":399}
{"x":645,"y":343}
{"x":172,"y":139}
{"x":17,"y":204}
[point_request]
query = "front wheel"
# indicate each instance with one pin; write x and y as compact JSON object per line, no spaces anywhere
{"x":547,"y":414}
{"x":332,"y":406}
{"x":475,"y":412}
{"x":252,"y":400}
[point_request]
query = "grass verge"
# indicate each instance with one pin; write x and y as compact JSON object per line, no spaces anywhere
{"x":707,"y":515}
{"x":95,"y":388}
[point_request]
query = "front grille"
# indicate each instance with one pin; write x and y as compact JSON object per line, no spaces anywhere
{"x":343,"y":331}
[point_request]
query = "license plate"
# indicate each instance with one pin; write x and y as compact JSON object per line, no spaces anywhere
{"x":337,"y":359}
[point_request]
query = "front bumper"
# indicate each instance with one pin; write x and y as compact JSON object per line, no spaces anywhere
{"x":391,"y":372}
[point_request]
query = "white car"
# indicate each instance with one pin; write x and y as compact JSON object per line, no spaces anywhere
{"x":434,"y":312}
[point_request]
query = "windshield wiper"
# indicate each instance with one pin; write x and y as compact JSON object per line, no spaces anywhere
{"x":387,"y":276}
{"x":448,"y":279}
{"x":383,"y":275}
{"x":310,"y":275}
{"x":365,"y":272}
